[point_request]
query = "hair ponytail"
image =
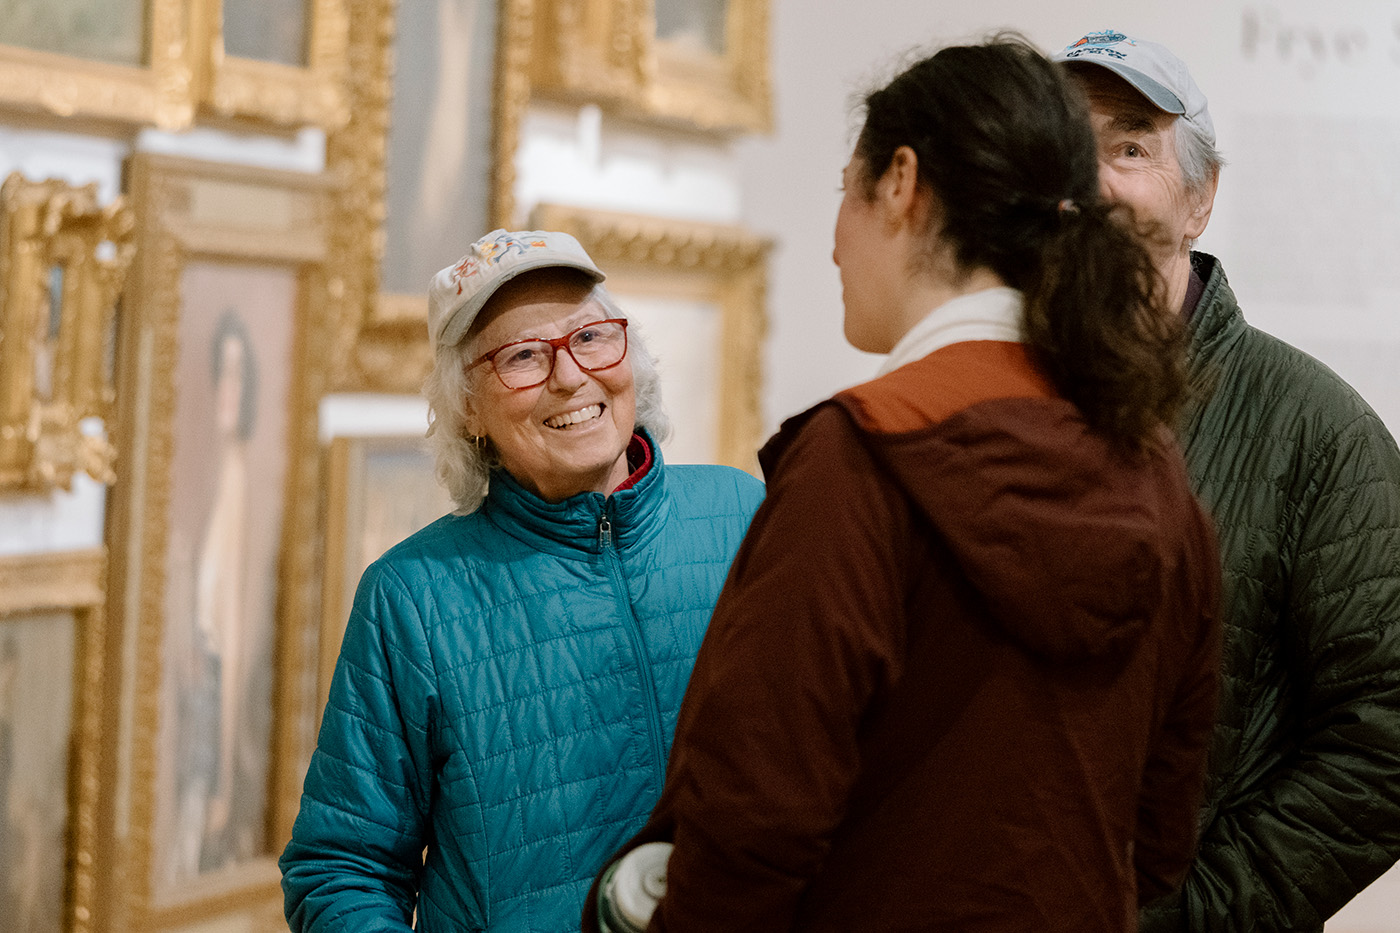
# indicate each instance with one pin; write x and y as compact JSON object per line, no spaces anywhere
{"x":1094,"y":321}
{"x":1003,"y":140}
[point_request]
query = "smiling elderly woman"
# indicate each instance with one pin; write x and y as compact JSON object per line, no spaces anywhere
{"x":502,"y":711}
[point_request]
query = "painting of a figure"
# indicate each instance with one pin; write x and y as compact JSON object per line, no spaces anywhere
{"x":440,"y":139}
{"x":228,"y":467}
{"x":36,"y":703}
{"x":101,"y":30}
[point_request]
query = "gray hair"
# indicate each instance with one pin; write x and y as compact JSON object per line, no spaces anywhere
{"x":1196,"y":153}
{"x":463,"y":467}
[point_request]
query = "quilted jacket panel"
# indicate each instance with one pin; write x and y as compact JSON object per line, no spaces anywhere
{"x":1303,"y":480}
{"x":505,"y":698}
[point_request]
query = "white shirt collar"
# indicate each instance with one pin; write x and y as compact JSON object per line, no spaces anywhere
{"x":991,"y":314}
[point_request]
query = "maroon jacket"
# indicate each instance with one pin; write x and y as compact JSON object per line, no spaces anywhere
{"x":961,"y":677}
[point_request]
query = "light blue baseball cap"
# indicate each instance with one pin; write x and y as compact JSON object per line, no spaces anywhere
{"x":1151,"y":68}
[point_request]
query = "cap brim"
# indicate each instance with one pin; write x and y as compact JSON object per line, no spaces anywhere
{"x":1157,"y":93}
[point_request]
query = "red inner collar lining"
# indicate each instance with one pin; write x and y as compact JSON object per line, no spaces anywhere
{"x":638,"y":461}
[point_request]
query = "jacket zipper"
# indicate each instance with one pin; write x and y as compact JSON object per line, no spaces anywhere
{"x":634,"y":633}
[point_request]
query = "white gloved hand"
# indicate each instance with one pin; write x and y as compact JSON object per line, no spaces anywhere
{"x":632,"y":887}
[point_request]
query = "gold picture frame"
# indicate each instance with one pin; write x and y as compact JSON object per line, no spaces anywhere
{"x":380,"y":278}
{"x":56,"y":585}
{"x":158,"y":91}
{"x":293,"y":80}
{"x":719,"y":271}
{"x":379,"y":490}
{"x":212,"y":531}
{"x":702,"y":64}
{"x":63,"y":261}
{"x":591,"y":50}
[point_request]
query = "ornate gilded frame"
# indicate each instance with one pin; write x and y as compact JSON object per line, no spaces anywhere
{"x":216,"y":215}
{"x":53,"y":372}
{"x":160,"y":93}
{"x":379,"y":489}
{"x":72,"y":581}
{"x":608,"y":51}
{"x":381,"y":344}
{"x":187,"y":72}
{"x":722,"y":263}
{"x":247,"y":89}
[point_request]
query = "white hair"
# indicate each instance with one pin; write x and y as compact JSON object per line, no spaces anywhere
{"x":464,"y":464}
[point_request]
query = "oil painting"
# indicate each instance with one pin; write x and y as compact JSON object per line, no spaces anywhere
{"x":36,"y":706}
{"x":111,"y":31}
{"x":227,"y":473}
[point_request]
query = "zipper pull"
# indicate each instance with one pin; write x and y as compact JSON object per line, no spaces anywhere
{"x":604,"y":531}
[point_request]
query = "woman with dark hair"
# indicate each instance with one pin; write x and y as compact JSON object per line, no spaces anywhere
{"x":963,"y":671}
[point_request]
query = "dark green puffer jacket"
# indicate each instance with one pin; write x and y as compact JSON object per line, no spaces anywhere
{"x":1302,"y":807}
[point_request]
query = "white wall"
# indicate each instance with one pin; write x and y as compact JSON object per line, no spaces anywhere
{"x":1306,"y":102}
{"x":577,"y":156}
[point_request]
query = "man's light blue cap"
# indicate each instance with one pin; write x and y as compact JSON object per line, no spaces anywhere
{"x":1152,"y":69}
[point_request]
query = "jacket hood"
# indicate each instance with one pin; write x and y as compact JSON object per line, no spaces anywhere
{"x":1059,"y":533}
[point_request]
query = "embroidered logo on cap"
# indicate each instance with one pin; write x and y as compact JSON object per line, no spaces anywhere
{"x":1099,"y":43}
{"x":491,"y":252}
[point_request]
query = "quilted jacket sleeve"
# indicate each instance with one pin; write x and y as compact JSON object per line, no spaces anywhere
{"x":356,"y":848}
{"x":1326,"y":821}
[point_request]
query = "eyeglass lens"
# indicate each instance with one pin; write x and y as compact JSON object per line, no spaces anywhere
{"x":593,"y":346}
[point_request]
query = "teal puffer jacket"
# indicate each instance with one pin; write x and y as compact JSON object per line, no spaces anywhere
{"x":1302,"y":805}
{"x":505,"y":699}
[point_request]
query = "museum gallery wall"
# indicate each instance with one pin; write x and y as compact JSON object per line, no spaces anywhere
{"x":174,"y":341}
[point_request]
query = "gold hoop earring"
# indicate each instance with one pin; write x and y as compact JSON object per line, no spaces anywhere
{"x":479,"y":442}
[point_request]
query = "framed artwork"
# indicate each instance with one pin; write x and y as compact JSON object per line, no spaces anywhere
{"x":276,"y":61}
{"x":590,"y":50}
{"x":379,"y":490}
{"x":63,"y":261}
{"x":698,"y":292}
{"x":51,"y":655}
{"x":698,"y":63}
{"x":103,"y":61}
{"x":109,"y":31}
{"x":212,"y":530}
{"x":709,"y":65}
{"x":36,"y":723}
{"x":427,"y":156}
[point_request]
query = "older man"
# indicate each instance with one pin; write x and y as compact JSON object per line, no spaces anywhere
{"x":1302,"y":807}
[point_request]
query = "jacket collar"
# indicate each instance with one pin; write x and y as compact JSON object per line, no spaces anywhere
{"x":990,"y":314}
{"x":1212,"y":328}
{"x":1217,"y":321}
{"x":573,"y":527}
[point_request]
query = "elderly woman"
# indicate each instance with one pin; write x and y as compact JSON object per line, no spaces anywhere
{"x":964,"y":671}
{"x":502,"y":710}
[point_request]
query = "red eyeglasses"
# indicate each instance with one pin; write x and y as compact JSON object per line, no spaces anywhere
{"x":524,"y":364}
